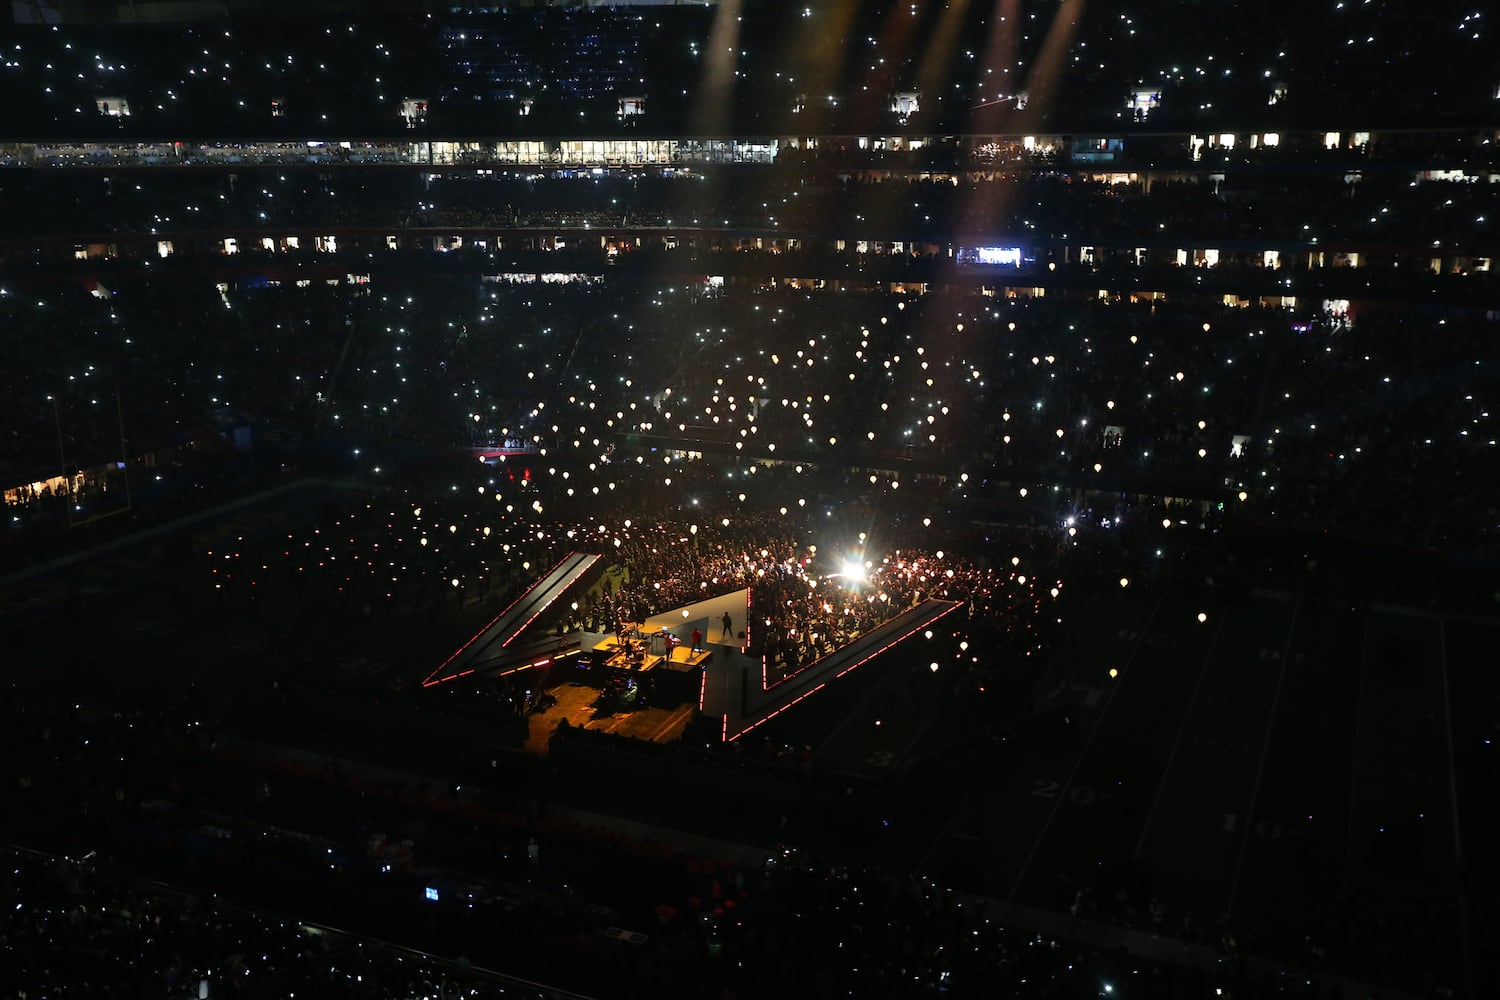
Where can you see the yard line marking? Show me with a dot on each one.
(1260, 768)
(971, 788)
(1359, 708)
(879, 688)
(957, 810)
(932, 717)
(1062, 794)
(1161, 785)
(1458, 853)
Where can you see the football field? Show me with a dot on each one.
(1284, 763)
(1305, 771)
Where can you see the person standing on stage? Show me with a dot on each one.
(697, 640)
(728, 628)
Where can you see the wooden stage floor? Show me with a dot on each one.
(575, 702)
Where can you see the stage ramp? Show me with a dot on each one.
(489, 646)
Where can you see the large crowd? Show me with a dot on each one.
(842, 450)
(177, 781)
(1044, 409)
(472, 68)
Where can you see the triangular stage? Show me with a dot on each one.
(718, 680)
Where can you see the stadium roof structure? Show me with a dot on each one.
(233, 68)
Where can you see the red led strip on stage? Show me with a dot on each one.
(862, 660)
(429, 682)
(783, 708)
(902, 637)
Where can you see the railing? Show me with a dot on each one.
(1455, 148)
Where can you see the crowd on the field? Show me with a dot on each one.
(1355, 426)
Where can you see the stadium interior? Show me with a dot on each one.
(846, 498)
